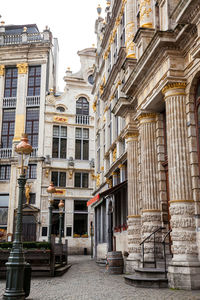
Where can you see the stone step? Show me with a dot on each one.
(150, 273)
(61, 270)
(153, 282)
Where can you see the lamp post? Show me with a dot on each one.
(61, 206)
(16, 262)
(51, 189)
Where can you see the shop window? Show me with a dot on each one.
(55, 218)
(4, 201)
(80, 218)
(44, 231)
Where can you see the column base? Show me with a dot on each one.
(132, 263)
(184, 275)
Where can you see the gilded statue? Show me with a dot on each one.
(27, 192)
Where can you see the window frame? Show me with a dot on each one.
(81, 140)
(33, 133)
(7, 134)
(60, 138)
(81, 180)
(7, 171)
(35, 86)
(11, 78)
(82, 101)
(58, 179)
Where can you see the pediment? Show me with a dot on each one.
(30, 208)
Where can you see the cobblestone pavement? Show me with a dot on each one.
(87, 281)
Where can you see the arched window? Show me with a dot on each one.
(60, 109)
(82, 106)
(197, 113)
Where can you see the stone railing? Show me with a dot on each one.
(5, 152)
(9, 102)
(80, 119)
(33, 101)
(24, 37)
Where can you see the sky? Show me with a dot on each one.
(71, 21)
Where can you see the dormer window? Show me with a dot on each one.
(91, 79)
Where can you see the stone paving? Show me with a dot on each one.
(87, 281)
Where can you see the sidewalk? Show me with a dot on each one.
(86, 281)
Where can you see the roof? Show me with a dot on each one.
(18, 29)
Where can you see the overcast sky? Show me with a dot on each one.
(71, 21)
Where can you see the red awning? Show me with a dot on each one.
(93, 200)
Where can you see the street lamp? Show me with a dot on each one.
(51, 190)
(16, 262)
(61, 206)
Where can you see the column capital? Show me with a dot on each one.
(174, 88)
(22, 68)
(2, 70)
(147, 117)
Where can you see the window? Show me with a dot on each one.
(98, 153)
(82, 144)
(81, 180)
(91, 79)
(32, 125)
(122, 37)
(80, 218)
(60, 109)
(10, 82)
(115, 48)
(8, 128)
(59, 142)
(34, 79)
(197, 114)
(109, 126)
(44, 231)
(31, 172)
(5, 172)
(59, 178)
(98, 106)
(4, 200)
(82, 106)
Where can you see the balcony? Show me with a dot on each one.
(84, 120)
(25, 38)
(9, 102)
(33, 101)
(5, 152)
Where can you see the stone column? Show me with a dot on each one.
(184, 270)
(134, 217)
(130, 28)
(146, 13)
(21, 101)
(151, 214)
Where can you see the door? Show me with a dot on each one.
(29, 228)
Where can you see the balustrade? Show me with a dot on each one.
(80, 119)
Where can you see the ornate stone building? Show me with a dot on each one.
(148, 76)
(59, 127)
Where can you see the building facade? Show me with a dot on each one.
(147, 76)
(59, 128)
(69, 152)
